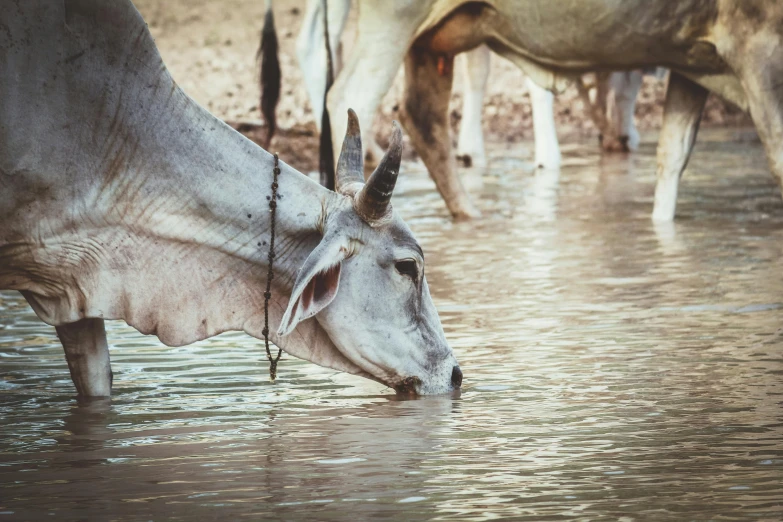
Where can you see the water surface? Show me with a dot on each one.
(612, 368)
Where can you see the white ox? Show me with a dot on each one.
(121, 198)
(615, 122)
(731, 47)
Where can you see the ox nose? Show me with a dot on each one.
(456, 377)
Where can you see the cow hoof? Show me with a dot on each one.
(466, 214)
(472, 159)
(465, 159)
(619, 144)
(548, 163)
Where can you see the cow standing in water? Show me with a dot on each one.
(617, 132)
(731, 47)
(121, 198)
(612, 112)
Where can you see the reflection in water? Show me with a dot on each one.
(612, 367)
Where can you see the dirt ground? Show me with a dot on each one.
(210, 49)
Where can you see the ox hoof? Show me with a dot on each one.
(548, 164)
(469, 159)
(465, 160)
(544, 162)
(466, 214)
(613, 143)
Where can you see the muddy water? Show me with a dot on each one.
(611, 368)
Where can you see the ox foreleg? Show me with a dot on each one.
(311, 48)
(87, 354)
(470, 145)
(597, 110)
(428, 79)
(603, 86)
(625, 87)
(681, 117)
(384, 31)
(762, 77)
(545, 135)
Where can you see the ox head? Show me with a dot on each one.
(365, 285)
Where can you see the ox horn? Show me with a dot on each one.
(372, 202)
(350, 165)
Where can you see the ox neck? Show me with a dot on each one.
(227, 198)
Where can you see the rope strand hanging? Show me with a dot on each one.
(270, 275)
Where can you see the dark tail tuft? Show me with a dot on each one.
(326, 153)
(269, 78)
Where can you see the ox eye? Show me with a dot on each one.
(408, 267)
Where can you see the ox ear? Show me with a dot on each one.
(316, 285)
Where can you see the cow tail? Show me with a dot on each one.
(269, 77)
(326, 153)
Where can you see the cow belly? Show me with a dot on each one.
(611, 34)
(581, 36)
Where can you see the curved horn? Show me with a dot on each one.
(372, 202)
(350, 166)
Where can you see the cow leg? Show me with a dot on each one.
(603, 87)
(544, 132)
(597, 111)
(87, 354)
(385, 30)
(625, 86)
(311, 51)
(428, 78)
(681, 117)
(311, 48)
(762, 78)
(470, 145)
